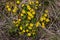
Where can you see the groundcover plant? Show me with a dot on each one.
(30, 19)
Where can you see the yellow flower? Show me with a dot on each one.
(22, 5)
(37, 24)
(27, 30)
(36, 7)
(37, 2)
(22, 14)
(30, 27)
(14, 22)
(31, 24)
(7, 6)
(18, 2)
(33, 33)
(21, 28)
(19, 19)
(44, 18)
(27, 24)
(29, 14)
(29, 34)
(43, 25)
(32, 2)
(45, 15)
(23, 11)
(9, 9)
(29, 18)
(47, 20)
(23, 31)
(28, 7)
(33, 12)
(14, 10)
(17, 25)
(46, 11)
(17, 22)
(41, 19)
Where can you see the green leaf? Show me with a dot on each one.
(46, 3)
(33, 20)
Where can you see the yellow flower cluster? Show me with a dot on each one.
(27, 22)
(44, 19)
(34, 2)
(37, 4)
(28, 27)
(31, 2)
(9, 6)
(15, 9)
(37, 24)
(18, 2)
(17, 22)
(28, 30)
(30, 13)
(23, 12)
